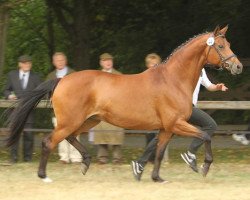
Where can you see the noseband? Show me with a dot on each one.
(224, 63)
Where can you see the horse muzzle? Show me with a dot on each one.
(233, 67)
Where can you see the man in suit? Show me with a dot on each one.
(19, 82)
(66, 151)
(103, 137)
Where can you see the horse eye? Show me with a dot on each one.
(220, 46)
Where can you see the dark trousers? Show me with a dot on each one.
(198, 118)
(149, 137)
(248, 135)
(103, 154)
(28, 143)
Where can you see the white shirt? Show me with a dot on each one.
(109, 70)
(60, 73)
(24, 75)
(203, 80)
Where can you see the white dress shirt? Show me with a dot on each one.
(109, 70)
(203, 80)
(25, 76)
(60, 73)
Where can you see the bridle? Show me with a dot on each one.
(224, 63)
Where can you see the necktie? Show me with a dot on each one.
(23, 81)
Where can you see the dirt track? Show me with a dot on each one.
(225, 182)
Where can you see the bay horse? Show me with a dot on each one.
(159, 98)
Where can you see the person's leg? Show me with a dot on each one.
(102, 154)
(63, 146)
(117, 153)
(206, 124)
(150, 136)
(248, 134)
(150, 149)
(63, 151)
(28, 143)
(138, 165)
(242, 138)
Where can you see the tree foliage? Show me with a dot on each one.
(127, 29)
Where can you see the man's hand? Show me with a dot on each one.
(12, 97)
(221, 87)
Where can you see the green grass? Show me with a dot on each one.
(226, 155)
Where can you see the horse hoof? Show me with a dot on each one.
(159, 180)
(164, 182)
(47, 180)
(204, 169)
(84, 168)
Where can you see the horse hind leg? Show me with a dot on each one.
(44, 159)
(48, 144)
(185, 129)
(86, 158)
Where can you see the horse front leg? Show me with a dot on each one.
(163, 139)
(208, 154)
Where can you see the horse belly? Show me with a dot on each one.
(133, 119)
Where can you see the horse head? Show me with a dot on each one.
(219, 52)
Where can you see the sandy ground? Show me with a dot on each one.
(225, 182)
(229, 177)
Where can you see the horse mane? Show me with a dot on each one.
(179, 47)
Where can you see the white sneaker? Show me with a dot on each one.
(241, 138)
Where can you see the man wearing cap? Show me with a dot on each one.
(19, 82)
(105, 134)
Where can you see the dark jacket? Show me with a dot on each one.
(13, 84)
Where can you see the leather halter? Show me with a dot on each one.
(222, 58)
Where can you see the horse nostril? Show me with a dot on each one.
(239, 67)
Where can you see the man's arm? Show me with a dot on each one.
(217, 87)
(8, 90)
(210, 86)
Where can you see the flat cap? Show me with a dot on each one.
(106, 56)
(24, 58)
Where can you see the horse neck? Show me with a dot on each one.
(186, 63)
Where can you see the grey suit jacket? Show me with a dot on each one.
(13, 84)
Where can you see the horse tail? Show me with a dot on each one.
(19, 115)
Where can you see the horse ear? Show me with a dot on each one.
(216, 30)
(224, 30)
